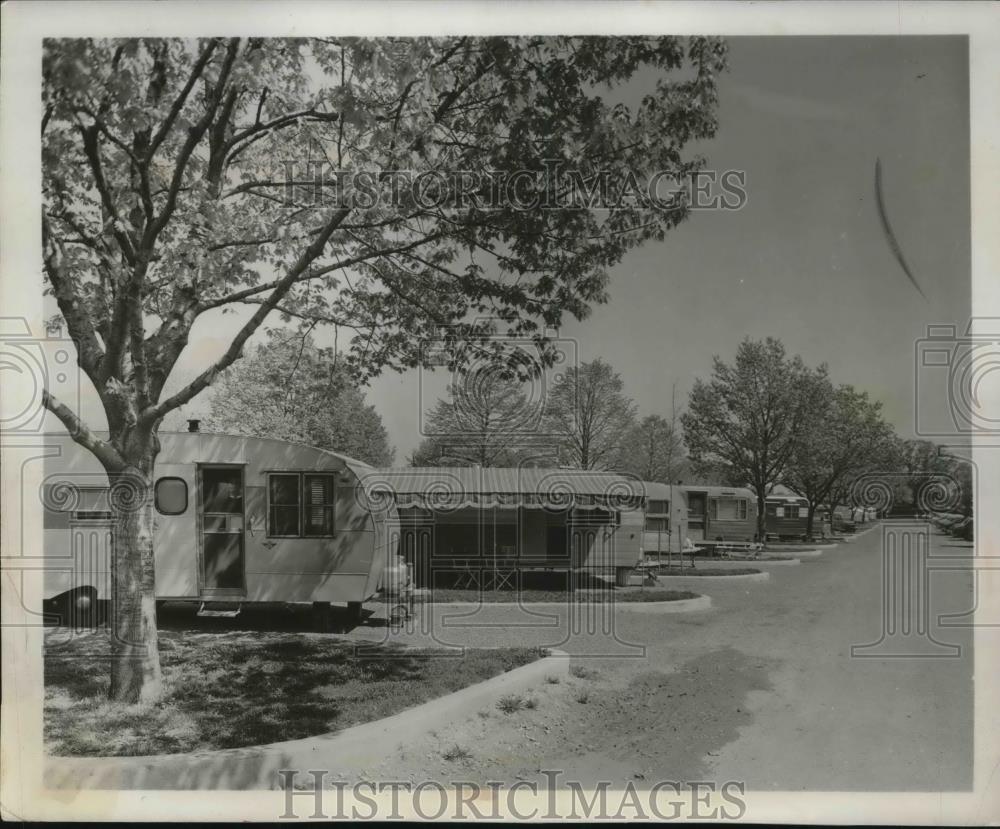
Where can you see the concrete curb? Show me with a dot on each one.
(698, 603)
(776, 562)
(679, 606)
(762, 576)
(256, 767)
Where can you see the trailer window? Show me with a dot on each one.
(728, 509)
(90, 504)
(300, 504)
(170, 496)
(284, 504)
(658, 508)
(318, 512)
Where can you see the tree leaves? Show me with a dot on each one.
(215, 163)
(292, 390)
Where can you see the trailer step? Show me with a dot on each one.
(219, 609)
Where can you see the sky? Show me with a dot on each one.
(805, 259)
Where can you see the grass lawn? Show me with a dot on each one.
(704, 571)
(227, 690)
(649, 594)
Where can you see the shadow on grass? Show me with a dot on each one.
(238, 688)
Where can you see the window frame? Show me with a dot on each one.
(301, 505)
(156, 495)
(742, 508)
(650, 510)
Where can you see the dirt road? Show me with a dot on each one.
(763, 689)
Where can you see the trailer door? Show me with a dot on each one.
(697, 503)
(221, 516)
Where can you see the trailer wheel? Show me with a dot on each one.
(398, 616)
(77, 608)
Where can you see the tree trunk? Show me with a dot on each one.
(761, 517)
(809, 519)
(834, 503)
(135, 657)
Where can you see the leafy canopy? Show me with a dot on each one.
(165, 173)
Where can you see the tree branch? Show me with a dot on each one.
(203, 380)
(103, 451)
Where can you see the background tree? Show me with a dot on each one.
(844, 435)
(590, 416)
(920, 461)
(292, 390)
(749, 415)
(485, 419)
(166, 196)
(653, 450)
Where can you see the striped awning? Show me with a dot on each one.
(451, 488)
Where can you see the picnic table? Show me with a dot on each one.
(739, 550)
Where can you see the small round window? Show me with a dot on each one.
(171, 496)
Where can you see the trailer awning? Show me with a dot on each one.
(450, 488)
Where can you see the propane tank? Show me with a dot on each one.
(396, 578)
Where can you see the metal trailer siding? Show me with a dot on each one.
(343, 567)
(709, 529)
(670, 539)
(792, 522)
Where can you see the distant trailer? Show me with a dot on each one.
(665, 522)
(717, 514)
(484, 525)
(237, 520)
(787, 516)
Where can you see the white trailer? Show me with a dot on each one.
(237, 520)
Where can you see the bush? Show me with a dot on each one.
(510, 703)
(456, 752)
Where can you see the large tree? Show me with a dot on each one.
(181, 177)
(485, 419)
(750, 414)
(653, 450)
(589, 415)
(293, 390)
(844, 436)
